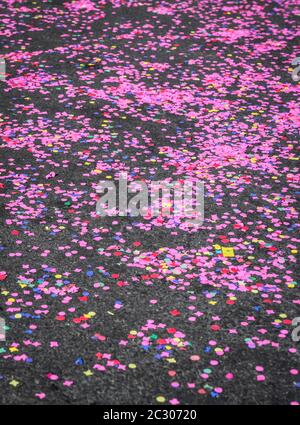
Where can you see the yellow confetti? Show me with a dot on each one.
(228, 252)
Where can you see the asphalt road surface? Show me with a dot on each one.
(146, 309)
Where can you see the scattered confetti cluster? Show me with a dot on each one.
(145, 310)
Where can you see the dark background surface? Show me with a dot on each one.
(221, 106)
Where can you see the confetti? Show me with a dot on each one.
(174, 91)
